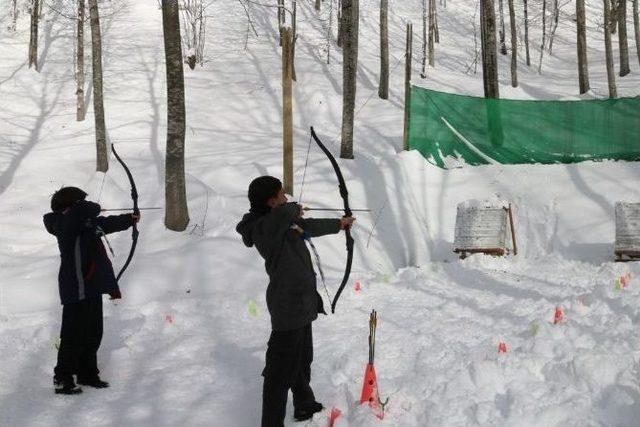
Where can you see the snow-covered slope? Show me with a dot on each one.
(186, 344)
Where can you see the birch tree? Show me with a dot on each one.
(80, 107)
(636, 27)
(526, 32)
(281, 18)
(294, 38)
(544, 34)
(554, 27)
(423, 74)
(33, 34)
(383, 89)
(583, 69)
(177, 213)
(194, 23)
(611, 77)
(622, 38)
(489, 52)
(432, 31)
(102, 158)
(14, 15)
(350, 18)
(340, 26)
(503, 45)
(514, 45)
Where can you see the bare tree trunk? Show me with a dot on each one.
(503, 36)
(102, 158)
(281, 18)
(80, 107)
(294, 38)
(287, 111)
(350, 16)
(14, 15)
(476, 51)
(613, 16)
(544, 34)
(556, 18)
(489, 53)
(33, 40)
(407, 85)
(526, 33)
(514, 45)
(611, 76)
(583, 69)
(176, 209)
(423, 74)
(622, 38)
(318, 5)
(432, 29)
(636, 27)
(340, 25)
(436, 31)
(329, 31)
(383, 89)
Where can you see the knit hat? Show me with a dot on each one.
(262, 189)
(65, 197)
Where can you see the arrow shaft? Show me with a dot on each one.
(333, 209)
(127, 209)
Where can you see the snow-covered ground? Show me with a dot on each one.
(185, 346)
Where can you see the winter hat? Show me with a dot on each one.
(262, 189)
(65, 197)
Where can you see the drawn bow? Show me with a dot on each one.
(136, 211)
(347, 213)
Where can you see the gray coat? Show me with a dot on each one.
(292, 298)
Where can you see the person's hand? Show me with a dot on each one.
(136, 218)
(346, 222)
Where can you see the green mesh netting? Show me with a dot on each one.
(481, 131)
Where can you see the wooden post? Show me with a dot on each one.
(513, 231)
(407, 85)
(287, 112)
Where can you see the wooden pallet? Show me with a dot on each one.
(626, 256)
(627, 244)
(496, 229)
(487, 251)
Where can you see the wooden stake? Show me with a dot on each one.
(287, 112)
(407, 85)
(513, 231)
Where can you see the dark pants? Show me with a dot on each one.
(80, 337)
(289, 357)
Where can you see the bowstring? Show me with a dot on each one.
(304, 173)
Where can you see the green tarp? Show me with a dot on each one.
(481, 131)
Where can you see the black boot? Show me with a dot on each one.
(306, 413)
(94, 382)
(65, 386)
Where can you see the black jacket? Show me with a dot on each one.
(292, 298)
(85, 268)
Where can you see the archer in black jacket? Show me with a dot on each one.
(85, 274)
(278, 231)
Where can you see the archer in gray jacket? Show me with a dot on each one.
(276, 228)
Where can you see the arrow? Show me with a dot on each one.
(127, 209)
(332, 209)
